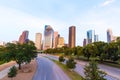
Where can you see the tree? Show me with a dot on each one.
(111, 51)
(61, 59)
(20, 52)
(70, 63)
(90, 51)
(12, 72)
(92, 72)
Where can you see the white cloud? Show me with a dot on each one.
(107, 2)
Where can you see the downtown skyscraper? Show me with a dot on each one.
(72, 36)
(48, 37)
(92, 37)
(38, 41)
(24, 37)
(110, 36)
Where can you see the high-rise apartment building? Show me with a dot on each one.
(38, 41)
(55, 39)
(60, 42)
(72, 36)
(96, 38)
(48, 37)
(90, 36)
(24, 37)
(109, 35)
(84, 42)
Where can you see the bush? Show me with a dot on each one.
(12, 72)
(71, 63)
(61, 59)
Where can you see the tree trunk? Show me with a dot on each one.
(19, 66)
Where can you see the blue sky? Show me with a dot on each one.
(32, 15)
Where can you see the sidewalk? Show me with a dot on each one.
(26, 73)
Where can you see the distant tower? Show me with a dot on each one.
(60, 42)
(90, 36)
(109, 35)
(24, 37)
(84, 42)
(55, 39)
(72, 36)
(48, 37)
(38, 41)
(96, 38)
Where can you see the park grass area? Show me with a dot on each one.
(71, 74)
(111, 64)
(2, 62)
(108, 63)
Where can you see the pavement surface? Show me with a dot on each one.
(4, 72)
(112, 73)
(48, 70)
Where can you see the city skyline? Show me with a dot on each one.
(17, 16)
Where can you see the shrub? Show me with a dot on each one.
(61, 59)
(71, 63)
(12, 72)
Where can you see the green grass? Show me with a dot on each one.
(2, 62)
(71, 74)
(111, 64)
(108, 63)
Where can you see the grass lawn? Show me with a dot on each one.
(71, 74)
(2, 62)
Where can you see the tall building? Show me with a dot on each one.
(96, 38)
(72, 36)
(24, 37)
(109, 35)
(84, 42)
(38, 41)
(55, 39)
(48, 37)
(90, 36)
(61, 42)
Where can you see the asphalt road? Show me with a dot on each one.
(48, 70)
(112, 73)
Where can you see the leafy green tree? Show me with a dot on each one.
(61, 58)
(20, 52)
(70, 63)
(90, 51)
(92, 72)
(12, 72)
(111, 51)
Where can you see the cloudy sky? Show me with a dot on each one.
(32, 15)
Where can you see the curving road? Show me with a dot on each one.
(48, 70)
(112, 73)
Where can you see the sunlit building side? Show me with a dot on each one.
(24, 37)
(38, 41)
(48, 37)
(61, 42)
(72, 36)
(55, 39)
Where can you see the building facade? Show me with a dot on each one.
(55, 39)
(90, 36)
(24, 37)
(61, 42)
(84, 42)
(96, 38)
(72, 36)
(109, 35)
(38, 41)
(48, 37)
